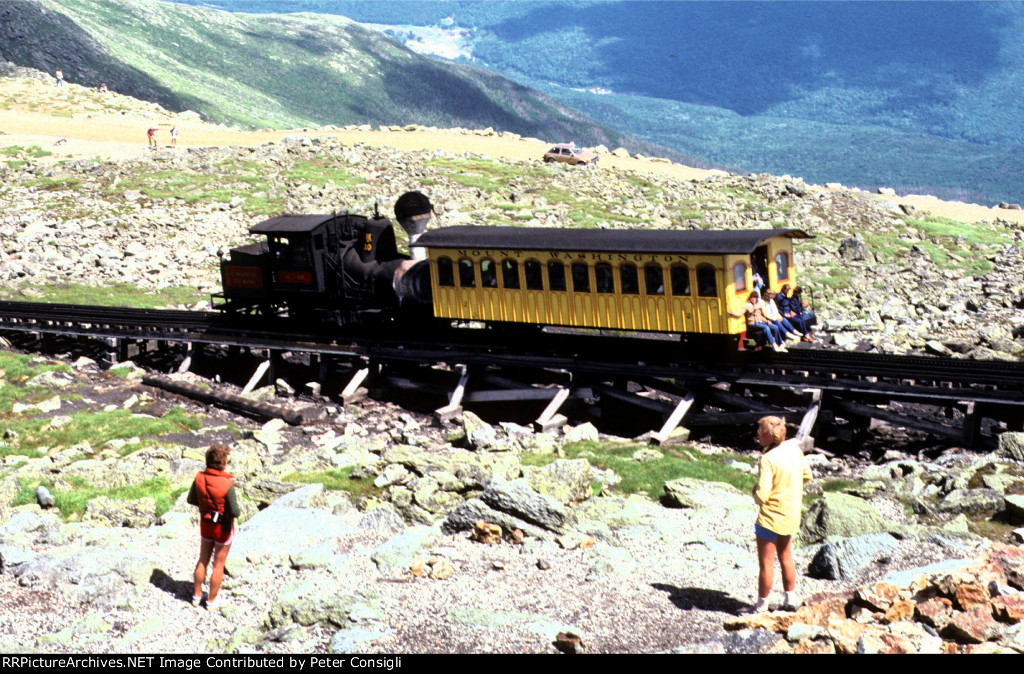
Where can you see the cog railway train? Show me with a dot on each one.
(347, 270)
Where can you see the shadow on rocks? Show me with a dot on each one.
(701, 598)
(179, 589)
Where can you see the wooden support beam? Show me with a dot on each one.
(972, 425)
(845, 407)
(731, 400)
(226, 400)
(605, 391)
(549, 419)
(187, 362)
(670, 425)
(521, 394)
(454, 406)
(256, 376)
(803, 434)
(713, 420)
(352, 393)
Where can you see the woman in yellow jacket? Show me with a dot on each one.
(778, 493)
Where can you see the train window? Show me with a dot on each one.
(531, 268)
(318, 241)
(629, 279)
(293, 253)
(580, 277)
(739, 276)
(445, 273)
(604, 277)
(488, 274)
(707, 285)
(556, 276)
(680, 280)
(510, 273)
(466, 276)
(782, 266)
(654, 279)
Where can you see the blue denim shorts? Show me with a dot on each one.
(765, 534)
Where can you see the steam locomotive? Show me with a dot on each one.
(337, 268)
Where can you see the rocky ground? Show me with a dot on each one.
(319, 570)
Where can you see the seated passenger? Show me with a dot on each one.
(774, 316)
(758, 325)
(799, 306)
(785, 302)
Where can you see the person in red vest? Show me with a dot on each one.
(214, 492)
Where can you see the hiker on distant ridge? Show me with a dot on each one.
(174, 136)
(60, 78)
(103, 87)
(154, 137)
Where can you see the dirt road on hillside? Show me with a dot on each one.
(109, 136)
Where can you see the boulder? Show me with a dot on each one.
(843, 558)
(135, 513)
(971, 502)
(854, 250)
(686, 492)
(1011, 444)
(518, 499)
(563, 479)
(842, 516)
(100, 577)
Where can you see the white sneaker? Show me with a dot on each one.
(196, 601)
(215, 605)
(781, 348)
(761, 606)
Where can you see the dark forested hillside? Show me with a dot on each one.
(751, 83)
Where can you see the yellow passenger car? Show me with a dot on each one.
(653, 280)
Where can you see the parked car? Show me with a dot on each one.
(570, 154)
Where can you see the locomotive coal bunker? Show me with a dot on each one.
(338, 268)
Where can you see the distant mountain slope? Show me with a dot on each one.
(278, 71)
(910, 95)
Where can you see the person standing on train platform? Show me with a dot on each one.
(782, 472)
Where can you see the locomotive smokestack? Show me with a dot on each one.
(413, 211)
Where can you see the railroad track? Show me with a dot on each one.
(599, 354)
(857, 382)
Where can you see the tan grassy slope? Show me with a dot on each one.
(114, 126)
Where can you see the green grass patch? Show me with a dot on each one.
(649, 477)
(112, 295)
(838, 485)
(948, 228)
(54, 184)
(95, 428)
(72, 503)
(338, 479)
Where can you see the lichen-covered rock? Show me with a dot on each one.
(134, 514)
(842, 516)
(563, 479)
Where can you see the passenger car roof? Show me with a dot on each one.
(739, 241)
